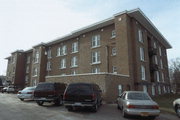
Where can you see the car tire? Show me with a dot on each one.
(40, 103)
(124, 114)
(70, 109)
(21, 99)
(177, 109)
(118, 107)
(152, 117)
(59, 101)
(95, 107)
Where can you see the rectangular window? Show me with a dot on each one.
(95, 57)
(26, 79)
(64, 50)
(27, 69)
(113, 34)
(157, 75)
(28, 59)
(162, 76)
(145, 88)
(140, 35)
(156, 59)
(35, 71)
(58, 51)
(143, 73)
(159, 90)
(161, 63)
(95, 41)
(160, 51)
(153, 90)
(114, 70)
(73, 72)
(74, 47)
(164, 87)
(63, 63)
(155, 45)
(49, 54)
(141, 54)
(74, 61)
(48, 66)
(113, 51)
(36, 59)
(96, 70)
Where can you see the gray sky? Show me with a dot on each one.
(25, 23)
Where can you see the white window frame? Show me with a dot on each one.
(142, 55)
(26, 79)
(63, 63)
(113, 34)
(145, 89)
(64, 50)
(164, 88)
(27, 69)
(159, 90)
(59, 51)
(74, 61)
(114, 69)
(160, 51)
(48, 66)
(114, 51)
(95, 41)
(73, 72)
(157, 76)
(49, 54)
(156, 59)
(36, 60)
(162, 76)
(96, 57)
(153, 90)
(35, 71)
(75, 47)
(95, 70)
(161, 63)
(120, 89)
(155, 44)
(143, 73)
(140, 35)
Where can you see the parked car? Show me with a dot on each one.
(4, 89)
(49, 92)
(137, 103)
(26, 93)
(82, 95)
(176, 105)
(10, 89)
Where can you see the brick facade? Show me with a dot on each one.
(126, 51)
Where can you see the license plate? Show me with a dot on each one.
(78, 104)
(144, 114)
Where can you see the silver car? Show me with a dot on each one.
(137, 103)
(176, 105)
(26, 93)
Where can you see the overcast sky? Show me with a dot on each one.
(25, 23)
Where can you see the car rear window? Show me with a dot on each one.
(80, 88)
(45, 87)
(138, 96)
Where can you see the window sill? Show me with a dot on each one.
(112, 37)
(74, 52)
(95, 46)
(95, 63)
(62, 68)
(74, 66)
(113, 55)
(60, 55)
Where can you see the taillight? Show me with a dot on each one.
(131, 106)
(155, 107)
(93, 96)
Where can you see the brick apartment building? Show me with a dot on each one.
(124, 52)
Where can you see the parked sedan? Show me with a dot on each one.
(176, 105)
(26, 93)
(137, 103)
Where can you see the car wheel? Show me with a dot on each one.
(59, 101)
(70, 109)
(118, 107)
(124, 113)
(21, 99)
(40, 103)
(177, 108)
(95, 107)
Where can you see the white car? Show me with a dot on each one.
(10, 89)
(26, 93)
(176, 105)
(137, 103)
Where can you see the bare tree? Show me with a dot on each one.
(174, 71)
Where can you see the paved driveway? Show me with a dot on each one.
(11, 108)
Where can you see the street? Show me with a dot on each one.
(11, 108)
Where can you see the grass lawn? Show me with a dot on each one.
(166, 102)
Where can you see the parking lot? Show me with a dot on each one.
(11, 108)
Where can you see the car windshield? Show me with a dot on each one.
(138, 96)
(45, 87)
(79, 88)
